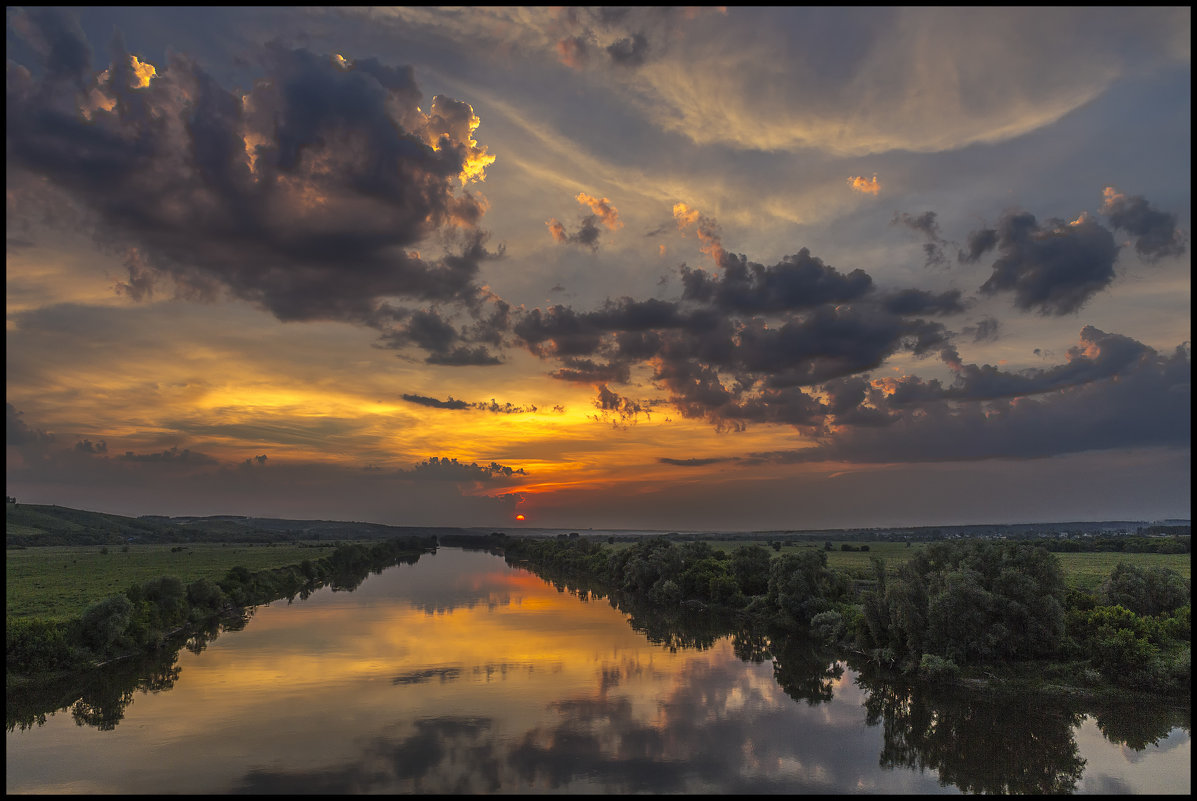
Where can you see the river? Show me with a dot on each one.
(460, 674)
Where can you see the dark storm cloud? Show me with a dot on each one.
(630, 51)
(745, 344)
(170, 456)
(611, 403)
(17, 432)
(696, 462)
(635, 316)
(1101, 355)
(558, 331)
(87, 459)
(829, 342)
(58, 39)
(847, 399)
(574, 51)
(845, 394)
(909, 302)
(424, 676)
(927, 225)
(1156, 231)
(424, 400)
(561, 331)
(587, 234)
(698, 391)
(924, 223)
(718, 360)
(588, 371)
(1055, 268)
(465, 356)
(633, 35)
(427, 329)
(445, 343)
(800, 281)
(494, 406)
(140, 285)
(986, 330)
(303, 199)
(436, 468)
(977, 245)
(934, 255)
(1113, 393)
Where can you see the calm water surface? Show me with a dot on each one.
(461, 674)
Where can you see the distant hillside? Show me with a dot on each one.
(31, 525)
(28, 525)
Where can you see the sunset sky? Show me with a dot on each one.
(690, 269)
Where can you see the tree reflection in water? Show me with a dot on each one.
(1137, 726)
(976, 742)
(100, 696)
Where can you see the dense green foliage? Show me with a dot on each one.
(1145, 592)
(786, 590)
(968, 602)
(948, 607)
(1157, 544)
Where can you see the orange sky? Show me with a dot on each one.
(649, 279)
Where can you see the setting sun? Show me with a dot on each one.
(519, 517)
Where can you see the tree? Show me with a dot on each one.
(967, 602)
(1146, 592)
(801, 586)
(750, 567)
(105, 622)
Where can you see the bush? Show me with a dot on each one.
(168, 600)
(666, 592)
(827, 626)
(935, 668)
(104, 623)
(1126, 659)
(37, 645)
(969, 601)
(1145, 592)
(205, 598)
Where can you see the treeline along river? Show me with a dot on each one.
(466, 672)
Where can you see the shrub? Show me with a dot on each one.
(935, 668)
(105, 622)
(1145, 592)
(37, 645)
(205, 598)
(827, 626)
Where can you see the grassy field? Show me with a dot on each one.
(1086, 571)
(60, 582)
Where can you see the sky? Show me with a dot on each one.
(652, 268)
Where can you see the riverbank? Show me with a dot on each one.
(141, 618)
(975, 614)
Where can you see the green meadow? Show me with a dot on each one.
(60, 582)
